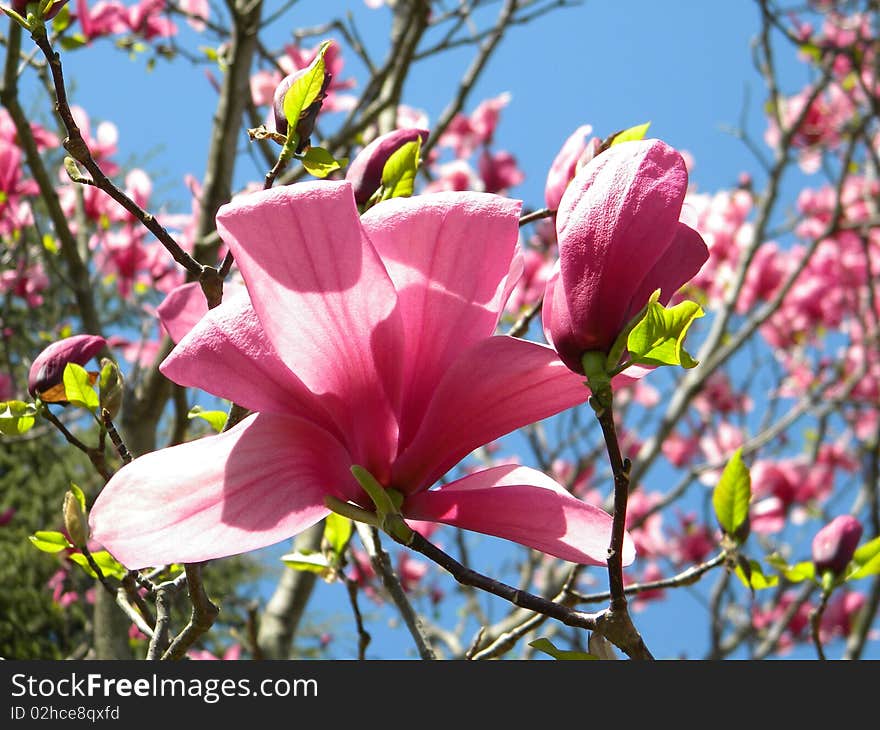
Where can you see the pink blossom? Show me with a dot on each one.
(648, 537)
(619, 240)
(692, 543)
(717, 447)
(797, 627)
(841, 615)
(679, 449)
(200, 11)
(537, 268)
(834, 544)
(27, 282)
(13, 188)
(457, 176)
(7, 515)
(410, 570)
(391, 365)
(47, 368)
(365, 171)
(574, 154)
(499, 171)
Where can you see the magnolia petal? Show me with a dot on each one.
(450, 256)
(523, 505)
(185, 305)
(499, 385)
(228, 355)
(682, 262)
(257, 484)
(326, 303)
(615, 222)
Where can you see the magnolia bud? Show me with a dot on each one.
(307, 117)
(834, 544)
(365, 171)
(75, 521)
(20, 7)
(110, 384)
(47, 369)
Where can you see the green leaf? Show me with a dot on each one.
(546, 646)
(49, 542)
(309, 562)
(303, 92)
(61, 21)
(80, 497)
(16, 417)
(793, 573)
(868, 568)
(78, 387)
(811, 50)
(72, 42)
(867, 552)
(756, 579)
(399, 172)
(731, 497)
(217, 419)
(337, 532)
(658, 338)
(110, 567)
(320, 163)
(633, 134)
(49, 243)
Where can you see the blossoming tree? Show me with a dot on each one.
(375, 351)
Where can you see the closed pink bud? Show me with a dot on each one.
(834, 544)
(365, 171)
(47, 369)
(575, 153)
(308, 116)
(20, 7)
(620, 239)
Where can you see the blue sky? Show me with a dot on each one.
(685, 65)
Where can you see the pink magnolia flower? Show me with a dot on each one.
(365, 170)
(834, 544)
(499, 171)
(47, 368)
(365, 341)
(619, 240)
(574, 154)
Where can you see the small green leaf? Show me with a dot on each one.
(867, 552)
(399, 172)
(756, 579)
(658, 338)
(337, 532)
(49, 243)
(546, 646)
(811, 50)
(868, 568)
(61, 21)
(305, 90)
(49, 542)
(109, 566)
(320, 163)
(80, 497)
(308, 562)
(633, 134)
(78, 387)
(72, 42)
(793, 573)
(732, 495)
(217, 419)
(16, 417)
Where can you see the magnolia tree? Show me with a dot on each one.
(376, 353)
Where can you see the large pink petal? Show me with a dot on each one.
(449, 256)
(185, 305)
(682, 262)
(497, 386)
(228, 355)
(615, 221)
(523, 505)
(257, 484)
(327, 304)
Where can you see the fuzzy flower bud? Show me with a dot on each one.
(834, 544)
(20, 7)
(308, 116)
(47, 369)
(75, 520)
(365, 171)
